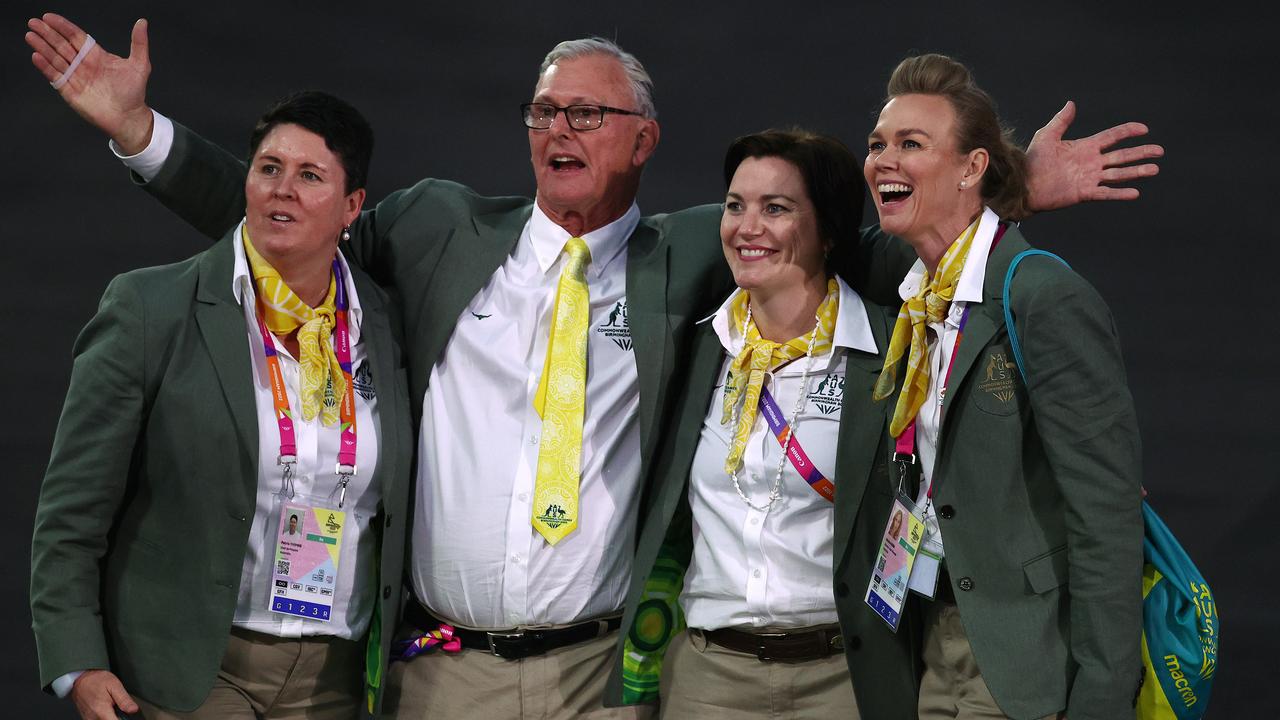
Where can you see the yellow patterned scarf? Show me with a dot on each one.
(322, 381)
(758, 356)
(930, 305)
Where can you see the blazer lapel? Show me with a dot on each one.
(863, 422)
(650, 331)
(467, 261)
(381, 353)
(222, 326)
(986, 319)
(704, 375)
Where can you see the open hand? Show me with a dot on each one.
(98, 693)
(107, 90)
(1067, 172)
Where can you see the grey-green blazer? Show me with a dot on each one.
(145, 510)
(1037, 487)
(885, 666)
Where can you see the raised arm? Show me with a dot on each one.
(199, 181)
(108, 91)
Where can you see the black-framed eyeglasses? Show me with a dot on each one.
(539, 116)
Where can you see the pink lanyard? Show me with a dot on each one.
(288, 456)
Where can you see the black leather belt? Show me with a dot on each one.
(515, 644)
(780, 646)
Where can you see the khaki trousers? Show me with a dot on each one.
(703, 680)
(567, 682)
(952, 686)
(263, 676)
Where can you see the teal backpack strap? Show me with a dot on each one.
(1008, 313)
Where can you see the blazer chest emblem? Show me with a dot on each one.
(999, 384)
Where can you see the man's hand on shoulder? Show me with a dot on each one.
(1062, 172)
(107, 90)
(98, 693)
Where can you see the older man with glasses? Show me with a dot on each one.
(531, 469)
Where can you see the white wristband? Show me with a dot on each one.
(75, 63)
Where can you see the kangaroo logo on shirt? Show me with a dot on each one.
(828, 396)
(362, 380)
(616, 327)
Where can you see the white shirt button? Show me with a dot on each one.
(522, 497)
(515, 557)
(755, 573)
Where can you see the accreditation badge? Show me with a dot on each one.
(887, 591)
(308, 546)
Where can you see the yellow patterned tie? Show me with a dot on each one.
(930, 305)
(561, 401)
(321, 378)
(758, 356)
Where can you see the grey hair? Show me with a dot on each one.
(637, 76)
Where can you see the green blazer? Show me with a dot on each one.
(435, 245)
(145, 510)
(1038, 495)
(885, 666)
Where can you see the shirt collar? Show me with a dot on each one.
(605, 243)
(853, 327)
(243, 290)
(969, 287)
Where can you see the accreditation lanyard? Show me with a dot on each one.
(288, 456)
(791, 446)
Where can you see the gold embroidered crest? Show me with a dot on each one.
(999, 383)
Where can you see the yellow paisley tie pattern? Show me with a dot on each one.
(321, 379)
(759, 356)
(929, 305)
(561, 401)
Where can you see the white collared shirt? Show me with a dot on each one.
(356, 586)
(476, 558)
(942, 343)
(770, 569)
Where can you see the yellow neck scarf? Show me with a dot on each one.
(758, 356)
(930, 305)
(322, 382)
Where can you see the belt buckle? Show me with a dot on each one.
(761, 652)
(518, 644)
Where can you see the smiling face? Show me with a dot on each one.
(587, 179)
(296, 202)
(914, 170)
(769, 229)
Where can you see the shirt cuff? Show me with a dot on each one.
(147, 163)
(62, 686)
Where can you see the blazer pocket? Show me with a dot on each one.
(1048, 571)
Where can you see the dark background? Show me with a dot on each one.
(1189, 269)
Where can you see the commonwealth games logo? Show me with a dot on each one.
(617, 328)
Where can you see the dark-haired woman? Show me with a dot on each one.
(776, 549)
(211, 403)
(1029, 476)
